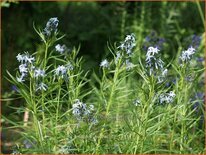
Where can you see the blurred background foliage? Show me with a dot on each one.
(93, 25)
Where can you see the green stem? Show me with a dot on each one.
(37, 127)
(45, 55)
(112, 91)
(145, 115)
(172, 134)
(108, 106)
(58, 102)
(71, 88)
(43, 109)
(184, 109)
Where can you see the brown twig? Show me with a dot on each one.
(26, 116)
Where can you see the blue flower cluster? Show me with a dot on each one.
(128, 44)
(153, 60)
(127, 47)
(81, 111)
(195, 41)
(124, 54)
(51, 27)
(186, 55)
(26, 65)
(153, 40)
(167, 97)
(61, 70)
(27, 68)
(192, 41)
(62, 49)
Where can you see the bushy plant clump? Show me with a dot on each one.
(132, 105)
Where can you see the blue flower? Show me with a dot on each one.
(104, 64)
(153, 40)
(20, 57)
(129, 65)
(51, 26)
(26, 65)
(25, 58)
(151, 52)
(80, 110)
(93, 120)
(39, 73)
(14, 88)
(28, 144)
(118, 57)
(69, 66)
(136, 102)
(60, 48)
(23, 68)
(167, 97)
(52, 23)
(41, 86)
(153, 62)
(61, 71)
(200, 59)
(195, 41)
(128, 44)
(186, 55)
(162, 76)
(21, 78)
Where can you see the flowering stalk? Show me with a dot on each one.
(122, 64)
